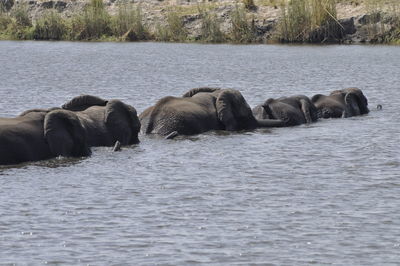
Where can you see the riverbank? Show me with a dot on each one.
(218, 21)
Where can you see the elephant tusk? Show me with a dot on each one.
(172, 135)
(117, 146)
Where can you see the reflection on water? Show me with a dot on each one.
(326, 193)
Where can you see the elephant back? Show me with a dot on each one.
(194, 91)
(83, 102)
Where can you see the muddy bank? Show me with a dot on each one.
(354, 21)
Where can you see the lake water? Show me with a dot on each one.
(325, 193)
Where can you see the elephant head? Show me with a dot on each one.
(356, 98)
(119, 120)
(341, 103)
(122, 121)
(65, 134)
(233, 111)
(294, 110)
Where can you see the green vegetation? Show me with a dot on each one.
(309, 21)
(243, 30)
(50, 26)
(211, 27)
(249, 4)
(379, 16)
(300, 21)
(93, 24)
(174, 30)
(127, 24)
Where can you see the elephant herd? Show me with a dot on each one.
(88, 121)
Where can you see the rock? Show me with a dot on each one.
(348, 26)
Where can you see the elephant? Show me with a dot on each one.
(105, 122)
(341, 103)
(294, 110)
(40, 134)
(200, 110)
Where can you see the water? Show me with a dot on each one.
(326, 193)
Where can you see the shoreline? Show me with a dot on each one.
(223, 21)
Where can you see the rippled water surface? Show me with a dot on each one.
(327, 193)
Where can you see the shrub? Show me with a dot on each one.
(249, 4)
(174, 30)
(242, 31)
(20, 13)
(309, 21)
(210, 27)
(128, 24)
(51, 26)
(93, 23)
(5, 20)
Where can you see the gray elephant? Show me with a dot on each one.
(341, 103)
(105, 122)
(294, 110)
(41, 134)
(200, 110)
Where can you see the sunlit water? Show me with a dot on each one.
(327, 193)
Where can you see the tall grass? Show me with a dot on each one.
(5, 18)
(21, 15)
(16, 23)
(309, 21)
(6, 5)
(383, 25)
(93, 23)
(249, 4)
(174, 30)
(50, 26)
(243, 30)
(210, 27)
(128, 24)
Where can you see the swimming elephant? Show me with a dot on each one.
(40, 134)
(294, 110)
(105, 122)
(200, 110)
(341, 103)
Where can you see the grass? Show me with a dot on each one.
(381, 13)
(174, 30)
(249, 4)
(127, 24)
(94, 23)
(309, 21)
(210, 27)
(300, 21)
(51, 26)
(243, 29)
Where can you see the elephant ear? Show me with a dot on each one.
(122, 121)
(267, 107)
(83, 102)
(193, 92)
(362, 101)
(305, 108)
(233, 111)
(65, 134)
(352, 107)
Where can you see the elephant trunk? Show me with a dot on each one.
(270, 123)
